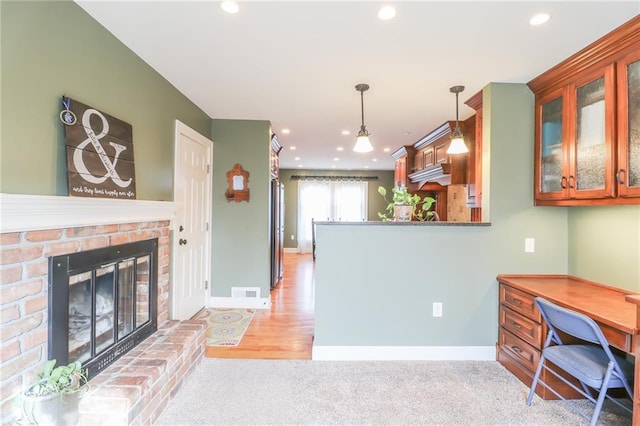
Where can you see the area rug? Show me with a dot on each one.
(226, 326)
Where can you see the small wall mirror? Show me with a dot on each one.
(238, 184)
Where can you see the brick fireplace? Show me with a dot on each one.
(136, 388)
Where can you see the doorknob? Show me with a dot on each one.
(182, 242)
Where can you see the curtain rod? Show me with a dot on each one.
(321, 177)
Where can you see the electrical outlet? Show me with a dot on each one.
(529, 245)
(437, 309)
(293, 237)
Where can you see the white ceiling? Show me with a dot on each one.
(296, 63)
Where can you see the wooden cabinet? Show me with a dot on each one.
(587, 142)
(403, 156)
(521, 336)
(522, 332)
(432, 164)
(575, 139)
(474, 163)
(628, 171)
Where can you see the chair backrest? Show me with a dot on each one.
(570, 322)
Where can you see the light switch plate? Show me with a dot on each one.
(529, 245)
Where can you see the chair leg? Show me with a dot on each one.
(603, 394)
(534, 383)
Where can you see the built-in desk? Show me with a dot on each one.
(522, 332)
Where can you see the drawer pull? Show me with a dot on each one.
(516, 325)
(516, 301)
(516, 349)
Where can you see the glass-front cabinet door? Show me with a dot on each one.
(592, 136)
(628, 172)
(551, 167)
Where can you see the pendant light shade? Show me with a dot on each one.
(457, 145)
(362, 141)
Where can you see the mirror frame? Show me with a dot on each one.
(232, 193)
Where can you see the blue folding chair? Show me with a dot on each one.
(591, 362)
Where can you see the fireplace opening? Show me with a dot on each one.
(102, 303)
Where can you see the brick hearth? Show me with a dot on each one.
(137, 387)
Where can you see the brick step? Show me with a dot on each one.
(137, 387)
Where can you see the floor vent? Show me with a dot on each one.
(245, 292)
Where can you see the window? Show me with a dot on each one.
(324, 200)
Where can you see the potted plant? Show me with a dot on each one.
(54, 398)
(405, 206)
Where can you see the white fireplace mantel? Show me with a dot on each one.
(20, 212)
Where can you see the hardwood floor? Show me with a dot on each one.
(286, 330)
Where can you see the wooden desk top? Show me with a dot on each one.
(605, 304)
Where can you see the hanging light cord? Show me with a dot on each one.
(457, 126)
(362, 129)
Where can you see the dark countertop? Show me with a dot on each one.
(412, 223)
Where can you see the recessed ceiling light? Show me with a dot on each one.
(299, 165)
(387, 149)
(292, 148)
(386, 12)
(346, 132)
(539, 19)
(374, 160)
(230, 6)
(340, 148)
(366, 167)
(297, 158)
(333, 167)
(336, 159)
(286, 131)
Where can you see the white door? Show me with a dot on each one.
(191, 229)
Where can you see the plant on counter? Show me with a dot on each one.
(54, 398)
(405, 206)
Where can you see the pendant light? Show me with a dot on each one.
(362, 141)
(457, 145)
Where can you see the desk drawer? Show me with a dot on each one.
(523, 327)
(617, 338)
(527, 355)
(520, 302)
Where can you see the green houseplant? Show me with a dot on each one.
(404, 206)
(54, 398)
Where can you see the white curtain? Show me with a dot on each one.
(328, 200)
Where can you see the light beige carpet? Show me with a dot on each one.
(226, 326)
(368, 393)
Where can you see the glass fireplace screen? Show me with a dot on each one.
(102, 303)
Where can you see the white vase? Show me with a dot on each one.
(52, 409)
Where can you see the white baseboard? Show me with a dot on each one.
(403, 353)
(239, 302)
(291, 249)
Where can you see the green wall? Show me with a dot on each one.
(375, 201)
(241, 251)
(375, 283)
(50, 49)
(604, 245)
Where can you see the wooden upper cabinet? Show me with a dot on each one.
(628, 171)
(403, 156)
(474, 163)
(432, 164)
(587, 149)
(575, 139)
